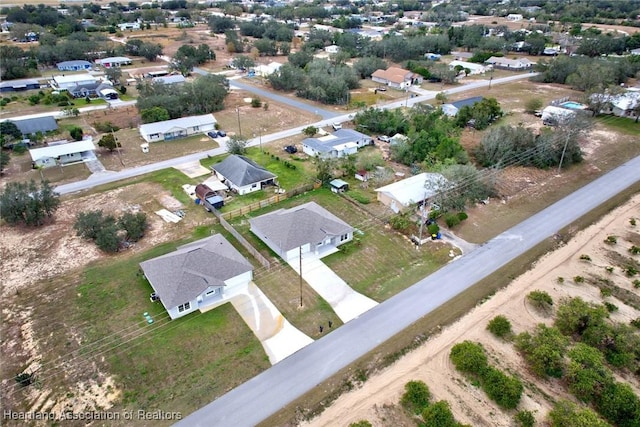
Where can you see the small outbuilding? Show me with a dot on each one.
(339, 186)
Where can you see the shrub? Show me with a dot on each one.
(585, 257)
(499, 326)
(632, 221)
(605, 292)
(469, 357)
(256, 102)
(609, 269)
(578, 279)
(105, 127)
(612, 240)
(525, 419)
(462, 216)
(635, 323)
(543, 350)
(416, 396)
(610, 307)
(439, 415)
(636, 284)
(630, 270)
(24, 379)
(560, 280)
(361, 423)
(451, 220)
(567, 414)
(433, 228)
(505, 390)
(76, 133)
(635, 250)
(540, 300)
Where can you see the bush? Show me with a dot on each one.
(568, 414)
(76, 133)
(635, 250)
(635, 323)
(469, 357)
(105, 127)
(24, 379)
(636, 284)
(611, 240)
(585, 257)
(361, 423)
(540, 300)
(503, 389)
(605, 292)
(525, 419)
(433, 228)
(543, 350)
(256, 102)
(499, 326)
(439, 415)
(610, 307)
(578, 279)
(462, 216)
(416, 397)
(451, 219)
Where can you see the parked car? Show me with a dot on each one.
(222, 133)
(381, 88)
(384, 138)
(336, 126)
(213, 134)
(291, 149)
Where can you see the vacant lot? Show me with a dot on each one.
(378, 399)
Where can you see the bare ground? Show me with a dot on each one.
(377, 400)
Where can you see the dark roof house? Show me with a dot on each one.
(37, 124)
(451, 109)
(196, 274)
(242, 174)
(19, 85)
(305, 228)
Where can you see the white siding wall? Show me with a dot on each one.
(174, 313)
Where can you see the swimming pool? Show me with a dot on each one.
(573, 105)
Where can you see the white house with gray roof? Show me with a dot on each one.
(196, 275)
(177, 128)
(243, 175)
(308, 228)
(340, 143)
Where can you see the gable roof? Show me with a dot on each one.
(183, 122)
(242, 171)
(169, 80)
(19, 84)
(62, 149)
(415, 188)
(74, 64)
(506, 62)
(295, 227)
(326, 143)
(393, 74)
(183, 275)
(36, 124)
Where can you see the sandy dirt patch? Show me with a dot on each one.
(30, 255)
(377, 400)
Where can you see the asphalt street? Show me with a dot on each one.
(263, 395)
(108, 177)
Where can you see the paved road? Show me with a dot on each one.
(108, 177)
(268, 392)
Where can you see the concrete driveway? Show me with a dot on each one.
(278, 337)
(347, 303)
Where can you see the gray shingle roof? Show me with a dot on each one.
(182, 123)
(37, 124)
(292, 228)
(341, 136)
(182, 275)
(242, 171)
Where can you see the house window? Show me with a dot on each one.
(344, 237)
(211, 292)
(196, 128)
(254, 185)
(184, 307)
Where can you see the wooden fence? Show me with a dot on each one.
(244, 242)
(266, 202)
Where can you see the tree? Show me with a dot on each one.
(575, 316)
(469, 357)
(499, 326)
(310, 131)
(9, 132)
(107, 238)
(544, 350)
(525, 419)
(4, 160)
(368, 65)
(505, 390)
(587, 374)
(28, 203)
(567, 414)
(415, 397)
(150, 51)
(219, 24)
(76, 133)
(620, 405)
(540, 300)
(89, 223)
(237, 145)
(243, 62)
(441, 97)
(532, 105)
(113, 74)
(109, 142)
(134, 225)
(154, 114)
(439, 415)
(324, 169)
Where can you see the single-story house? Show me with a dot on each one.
(333, 49)
(635, 51)
(432, 56)
(19, 85)
(106, 91)
(267, 70)
(514, 17)
(624, 105)
(78, 65)
(129, 26)
(340, 143)
(114, 61)
(519, 64)
(37, 124)
(472, 66)
(99, 88)
(400, 195)
(62, 153)
(169, 80)
(339, 186)
(396, 77)
(196, 275)
(552, 116)
(177, 128)
(398, 138)
(66, 82)
(308, 228)
(462, 56)
(242, 174)
(451, 109)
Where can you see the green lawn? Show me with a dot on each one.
(620, 124)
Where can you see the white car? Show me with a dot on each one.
(336, 126)
(384, 138)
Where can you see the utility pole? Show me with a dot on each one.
(300, 275)
(239, 128)
(564, 150)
